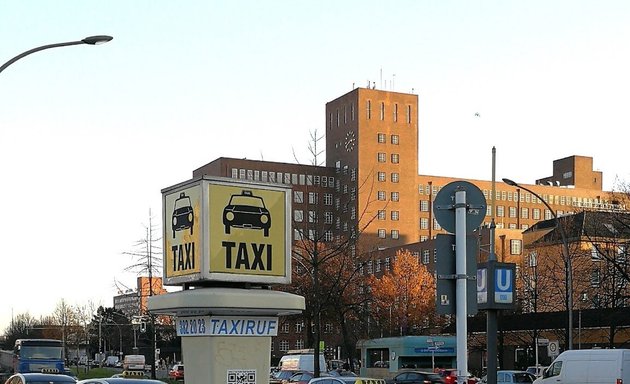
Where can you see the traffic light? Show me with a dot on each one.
(143, 327)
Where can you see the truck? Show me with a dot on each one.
(34, 355)
(111, 361)
(133, 363)
(588, 366)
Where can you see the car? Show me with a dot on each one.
(511, 376)
(417, 377)
(246, 211)
(39, 378)
(176, 372)
(183, 214)
(303, 377)
(131, 375)
(119, 380)
(346, 380)
(278, 377)
(450, 376)
(536, 370)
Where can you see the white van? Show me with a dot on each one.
(589, 366)
(302, 359)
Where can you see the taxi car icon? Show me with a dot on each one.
(246, 211)
(183, 215)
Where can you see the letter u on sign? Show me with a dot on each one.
(503, 286)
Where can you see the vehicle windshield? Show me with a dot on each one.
(40, 352)
(182, 202)
(283, 374)
(522, 378)
(247, 200)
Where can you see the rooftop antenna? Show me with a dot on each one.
(381, 78)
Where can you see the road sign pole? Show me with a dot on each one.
(460, 293)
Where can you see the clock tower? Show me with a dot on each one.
(372, 141)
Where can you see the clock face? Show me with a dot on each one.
(350, 141)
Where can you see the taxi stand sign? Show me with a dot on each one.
(221, 229)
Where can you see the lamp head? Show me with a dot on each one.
(96, 40)
(510, 182)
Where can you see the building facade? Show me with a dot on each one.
(370, 189)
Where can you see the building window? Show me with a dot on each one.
(395, 112)
(368, 109)
(382, 111)
(515, 247)
(263, 175)
(381, 214)
(424, 223)
(394, 196)
(426, 256)
(500, 211)
(298, 215)
(381, 195)
(299, 327)
(285, 327)
(381, 233)
(381, 138)
(381, 176)
(595, 255)
(395, 139)
(328, 236)
(381, 157)
(312, 216)
(394, 215)
(524, 213)
(328, 217)
(328, 328)
(299, 344)
(298, 235)
(235, 173)
(409, 114)
(241, 173)
(395, 177)
(536, 213)
(595, 278)
(284, 345)
(424, 206)
(328, 199)
(298, 197)
(352, 111)
(370, 269)
(395, 158)
(395, 234)
(512, 212)
(312, 198)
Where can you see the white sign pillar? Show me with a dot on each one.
(460, 292)
(226, 332)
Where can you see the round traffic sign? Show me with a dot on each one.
(444, 205)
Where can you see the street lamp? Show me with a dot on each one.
(91, 40)
(567, 262)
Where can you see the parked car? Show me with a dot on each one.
(511, 376)
(536, 370)
(346, 380)
(176, 372)
(450, 376)
(303, 377)
(417, 377)
(278, 377)
(38, 378)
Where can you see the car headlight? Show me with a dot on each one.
(174, 220)
(190, 217)
(229, 215)
(264, 219)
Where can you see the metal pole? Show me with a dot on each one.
(461, 312)
(491, 314)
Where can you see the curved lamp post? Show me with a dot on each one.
(567, 262)
(91, 40)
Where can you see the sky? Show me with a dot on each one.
(92, 134)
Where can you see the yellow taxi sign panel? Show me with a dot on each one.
(251, 237)
(181, 232)
(221, 229)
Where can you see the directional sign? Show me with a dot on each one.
(444, 206)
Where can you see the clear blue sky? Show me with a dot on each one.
(90, 135)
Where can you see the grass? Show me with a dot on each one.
(84, 373)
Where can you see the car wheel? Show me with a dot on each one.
(266, 232)
(227, 229)
(191, 230)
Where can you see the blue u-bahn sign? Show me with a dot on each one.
(496, 285)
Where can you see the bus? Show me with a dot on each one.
(38, 355)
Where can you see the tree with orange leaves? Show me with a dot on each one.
(404, 298)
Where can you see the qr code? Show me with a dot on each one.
(241, 376)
